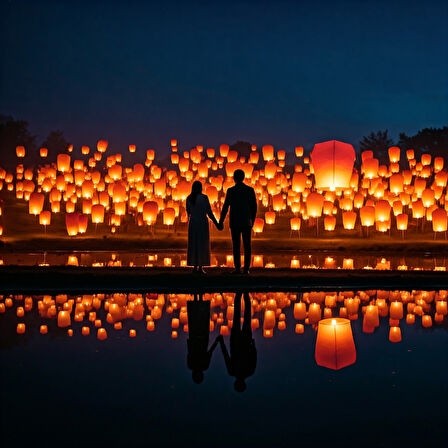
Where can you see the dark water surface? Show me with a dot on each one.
(78, 391)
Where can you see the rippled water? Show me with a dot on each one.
(135, 391)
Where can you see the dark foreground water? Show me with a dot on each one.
(58, 390)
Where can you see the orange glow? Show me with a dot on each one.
(335, 347)
(333, 164)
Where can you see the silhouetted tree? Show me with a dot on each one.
(55, 143)
(427, 140)
(378, 142)
(243, 148)
(14, 133)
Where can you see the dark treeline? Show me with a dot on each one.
(16, 132)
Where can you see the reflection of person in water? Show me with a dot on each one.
(199, 356)
(242, 360)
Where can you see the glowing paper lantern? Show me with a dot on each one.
(349, 220)
(36, 203)
(101, 146)
(268, 153)
(395, 334)
(63, 162)
(335, 347)
(314, 204)
(394, 154)
(258, 225)
(439, 220)
(20, 151)
(333, 164)
(45, 218)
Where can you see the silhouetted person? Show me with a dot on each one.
(199, 210)
(242, 361)
(199, 356)
(243, 209)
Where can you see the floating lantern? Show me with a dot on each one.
(258, 225)
(314, 204)
(102, 334)
(394, 334)
(439, 220)
(333, 164)
(64, 319)
(349, 220)
(394, 154)
(329, 223)
(335, 347)
(101, 146)
(45, 218)
(63, 162)
(36, 203)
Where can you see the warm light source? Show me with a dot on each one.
(335, 347)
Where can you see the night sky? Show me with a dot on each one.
(286, 73)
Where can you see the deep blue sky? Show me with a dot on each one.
(279, 72)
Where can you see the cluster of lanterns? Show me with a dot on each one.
(330, 313)
(320, 191)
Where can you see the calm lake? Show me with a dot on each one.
(62, 390)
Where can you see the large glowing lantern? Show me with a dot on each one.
(314, 204)
(63, 162)
(333, 164)
(439, 220)
(268, 153)
(20, 151)
(335, 347)
(101, 146)
(97, 213)
(36, 203)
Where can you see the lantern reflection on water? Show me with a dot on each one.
(335, 347)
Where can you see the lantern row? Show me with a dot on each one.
(268, 310)
(398, 196)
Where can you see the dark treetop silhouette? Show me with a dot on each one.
(242, 202)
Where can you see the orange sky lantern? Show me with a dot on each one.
(258, 225)
(335, 347)
(298, 151)
(45, 218)
(439, 220)
(367, 215)
(150, 211)
(63, 162)
(71, 223)
(169, 215)
(20, 151)
(268, 153)
(43, 152)
(314, 204)
(329, 223)
(333, 164)
(132, 148)
(394, 154)
(349, 220)
(36, 203)
(101, 146)
(426, 159)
